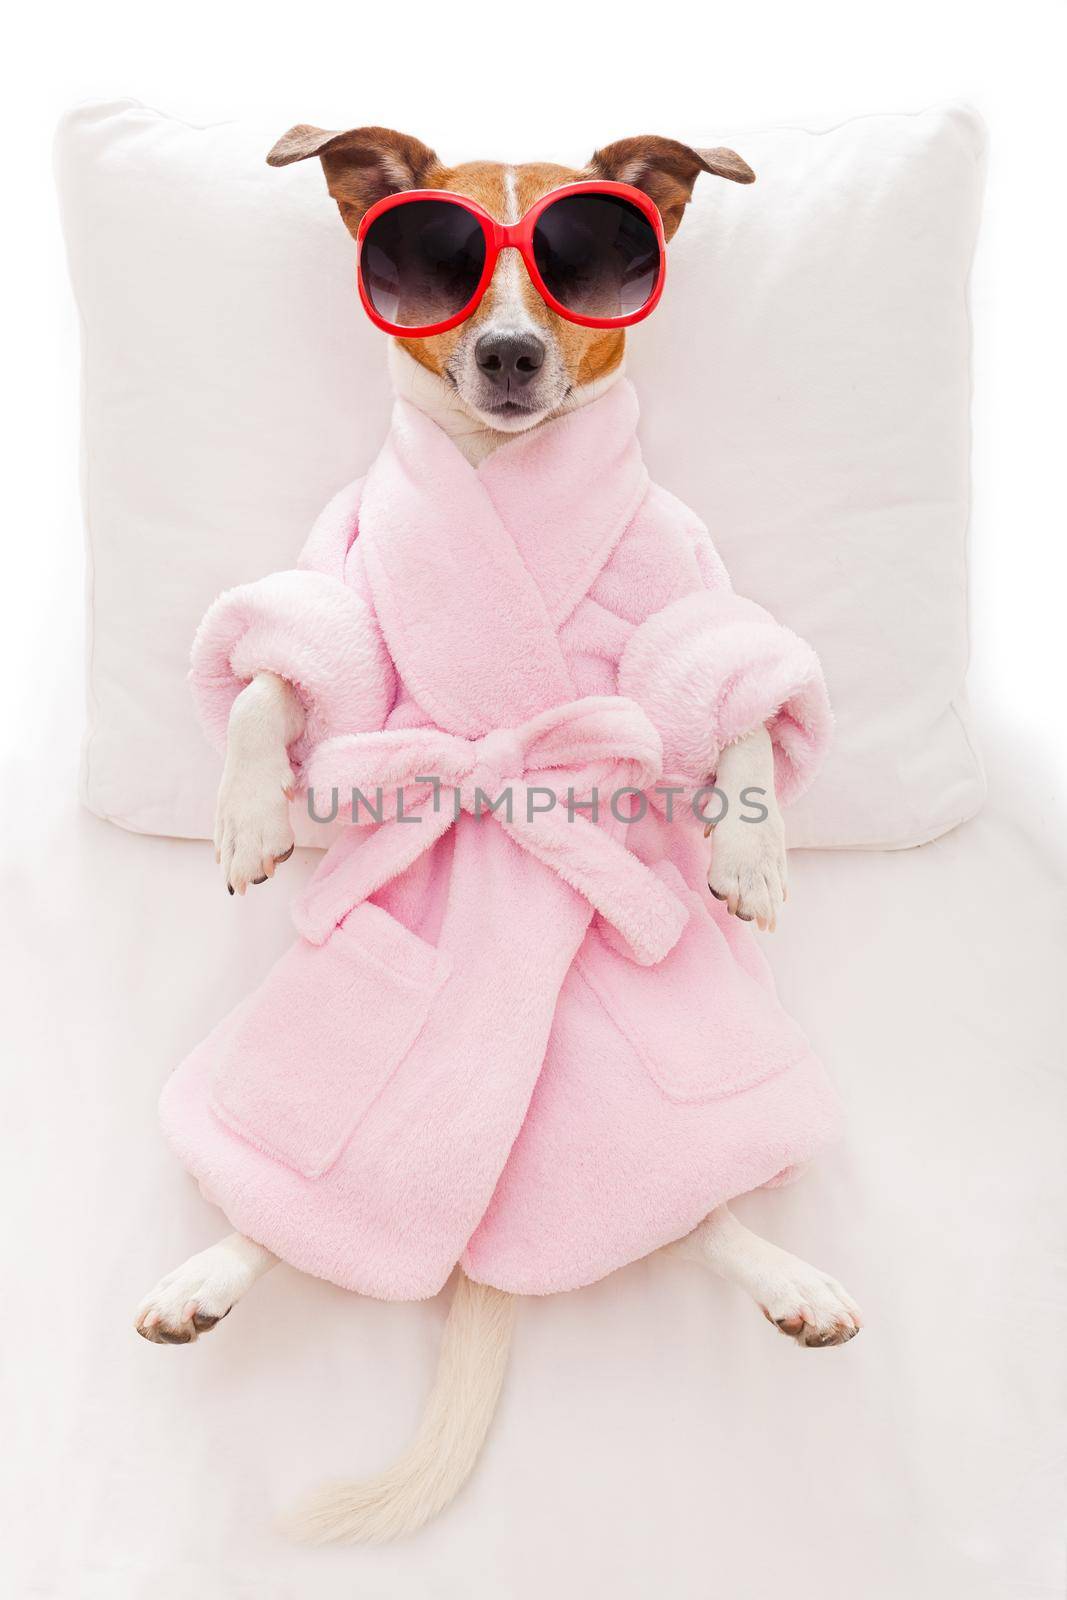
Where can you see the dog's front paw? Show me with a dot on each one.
(748, 866)
(253, 832)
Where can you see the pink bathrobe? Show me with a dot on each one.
(523, 1039)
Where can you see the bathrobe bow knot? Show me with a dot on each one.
(499, 759)
(553, 784)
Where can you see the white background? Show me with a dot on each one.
(936, 1431)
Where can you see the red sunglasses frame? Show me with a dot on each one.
(512, 236)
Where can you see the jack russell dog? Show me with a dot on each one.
(507, 292)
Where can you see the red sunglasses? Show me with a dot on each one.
(594, 252)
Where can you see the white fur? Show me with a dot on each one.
(511, 195)
(199, 1293)
(252, 827)
(804, 1303)
(748, 860)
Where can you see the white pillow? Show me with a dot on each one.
(805, 386)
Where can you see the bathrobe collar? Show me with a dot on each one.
(473, 571)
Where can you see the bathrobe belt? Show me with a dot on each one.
(539, 781)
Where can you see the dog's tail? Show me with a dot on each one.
(441, 1457)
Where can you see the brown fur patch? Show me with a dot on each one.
(361, 165)
(666, 176)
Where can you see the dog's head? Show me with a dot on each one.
(514, 361)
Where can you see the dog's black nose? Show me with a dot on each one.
(509, 358)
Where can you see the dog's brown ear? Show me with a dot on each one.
(666, 171)
(362, 165)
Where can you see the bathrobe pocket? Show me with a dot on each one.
(306, 1054)
(703, 1024)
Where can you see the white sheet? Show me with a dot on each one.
(655, 1436)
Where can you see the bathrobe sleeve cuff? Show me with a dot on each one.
(710, 669)
(308, 628)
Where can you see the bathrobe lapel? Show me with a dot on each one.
(472, 572)
(567, 492)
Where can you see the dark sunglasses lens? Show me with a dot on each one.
(421, 262)
(598, 254)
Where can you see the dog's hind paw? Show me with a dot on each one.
(812, 1308)
(190, 1300)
